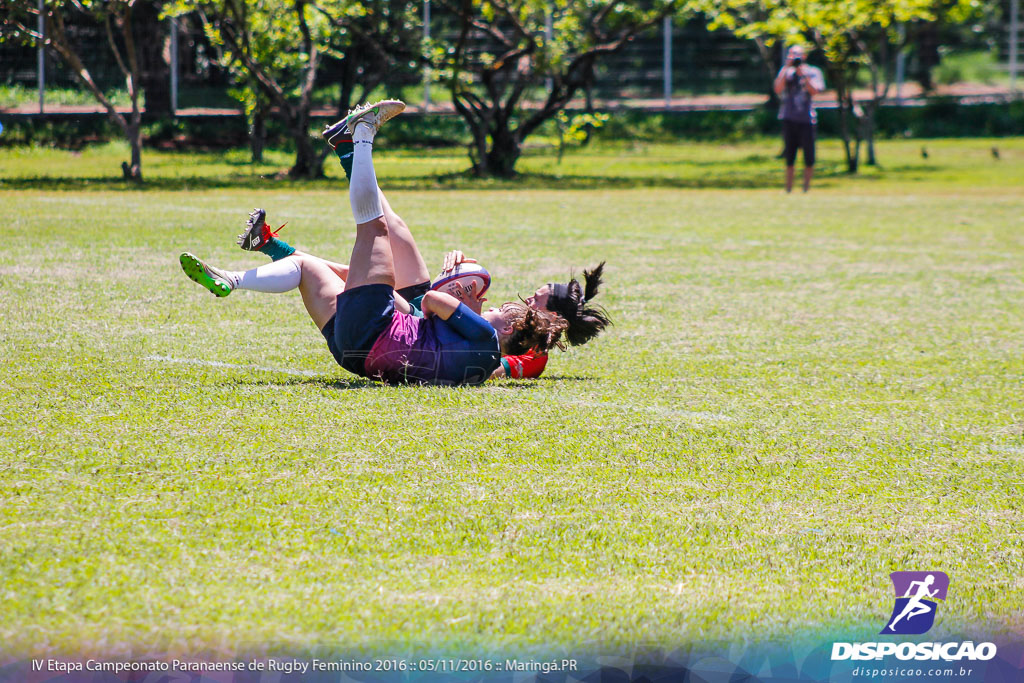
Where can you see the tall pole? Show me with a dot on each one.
(174, 65)
(549, 31)
(901, 64)
(426, 69)
(41, 57)
(1014, 43)
(667, 61)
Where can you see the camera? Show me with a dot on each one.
(797, 61)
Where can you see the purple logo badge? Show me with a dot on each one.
(917, 596)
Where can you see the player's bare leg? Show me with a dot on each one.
(340, 269)
(319, 287)
(316, 281)
(372, 260)
(316, 290)
(410, 268)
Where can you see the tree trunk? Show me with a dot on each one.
(853, 160)
(258, 134)
(588, 130)
(308, 162)
(844, 125)
(478, 148)
(133, 171)
(504, 153)
(771, 71)
(349, 77)
(927, 43)
(848, 108)
(868, 133)
(155, 77)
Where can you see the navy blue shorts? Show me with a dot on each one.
(414, 295)
(363, 314)
(414, 291)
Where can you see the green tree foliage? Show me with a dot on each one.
(853, 35)
(376, 42)
(507, 74)
(748, 19)
(20, 24)
(273, 48)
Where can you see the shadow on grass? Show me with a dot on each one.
(737, 179)
(114, 184)
(901, 173)
(362, 383)
(563, 378)
(530, 383)
(325, 382)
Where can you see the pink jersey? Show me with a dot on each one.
(460, 350)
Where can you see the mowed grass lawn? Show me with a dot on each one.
(800, 395)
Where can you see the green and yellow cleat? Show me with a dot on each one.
(214, 279)
(372, 114)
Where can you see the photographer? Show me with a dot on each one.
(796, 85)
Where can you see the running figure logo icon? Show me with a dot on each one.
(916, 596)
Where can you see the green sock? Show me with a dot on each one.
(344, 149)
(277, 249)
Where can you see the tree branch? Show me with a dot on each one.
(314, 56)
(265, 81)
(460, 46)
(57, 40)
(133, 61)
(492, 31)
(599, 17)
(363, 37)
(113, 46)
(521, 82)
(517, 26)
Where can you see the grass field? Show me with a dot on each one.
(800, 395)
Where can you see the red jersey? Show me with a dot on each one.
(526, 366)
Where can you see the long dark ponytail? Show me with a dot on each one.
(573, 302)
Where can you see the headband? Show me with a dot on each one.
(560, 301)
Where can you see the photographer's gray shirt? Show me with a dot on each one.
(796, 101)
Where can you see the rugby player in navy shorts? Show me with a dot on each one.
(366, 324)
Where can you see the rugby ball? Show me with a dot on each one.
(470, 277)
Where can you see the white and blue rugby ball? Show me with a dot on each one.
(471, 277)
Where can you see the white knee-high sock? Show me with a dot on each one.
(362, 189)
(273, 278)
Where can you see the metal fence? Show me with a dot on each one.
(676, 59)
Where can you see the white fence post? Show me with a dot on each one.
(1014, 43)
(426, 70)
(549, 32)
(667, 60)
(174, 65)
(41, 57)
(901, 64)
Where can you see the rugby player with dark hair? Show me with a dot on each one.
(365, 321)
(573, 302)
